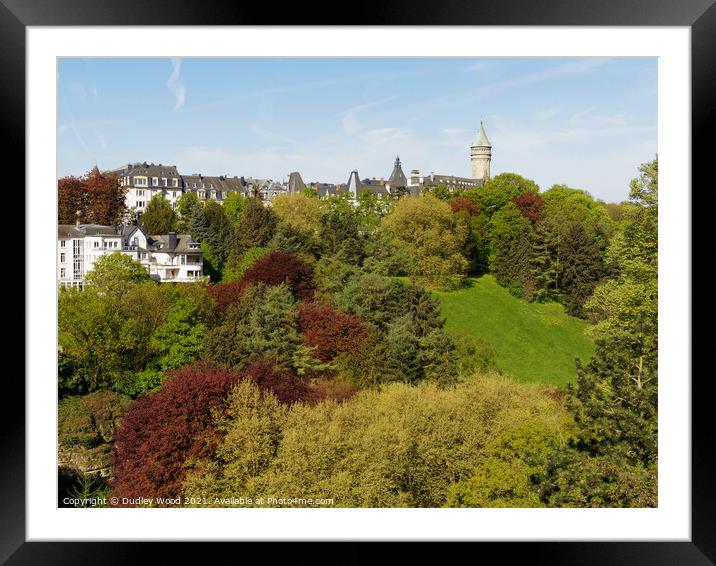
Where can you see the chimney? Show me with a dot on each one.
(172, 240)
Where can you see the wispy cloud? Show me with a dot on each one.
(268, 135)
(477, 67)
(175, 84)
(544, 115)
(77, 90)
(589, 117)
(351, 123)
(101, 138)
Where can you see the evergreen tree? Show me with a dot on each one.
(257, 227)
(581, 268)
(262, 322)
(512, 264)
(159, 217)
(611, 460)
(546, 260)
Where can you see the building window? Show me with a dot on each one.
(164, 183)
(62, 243)
(96, 244)
(62, 258)
(155, 182)
(175, 182)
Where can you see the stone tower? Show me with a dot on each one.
(480, 155)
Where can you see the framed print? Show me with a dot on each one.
(403, 280)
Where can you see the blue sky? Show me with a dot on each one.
(585, 122)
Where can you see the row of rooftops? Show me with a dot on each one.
(268, 187)
(171, 242)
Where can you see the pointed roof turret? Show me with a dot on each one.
(295, 183)
(354, 185)
(397, 177)
(481, 139)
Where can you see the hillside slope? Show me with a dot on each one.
(533, 342)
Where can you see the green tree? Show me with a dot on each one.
(187, 205)
(566, 206)
(580, 269)
(263, 322)
(611, 460)
(432, 237)
(511, 248)
(210, 226)
(159, 216)
(256, 229)
(234, 205)
(397, 446)
(339, 227)
(498, 191)
(105, 337)
(113, 273)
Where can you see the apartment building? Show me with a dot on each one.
(170, 258)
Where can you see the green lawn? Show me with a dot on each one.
(533, 342)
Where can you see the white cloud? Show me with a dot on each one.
(175, 85)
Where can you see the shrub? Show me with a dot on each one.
(90, 420)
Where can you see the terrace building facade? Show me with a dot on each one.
(170, 258)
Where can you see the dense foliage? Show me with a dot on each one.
(401, 446)
(96, 198)
(612, 458)
(317, 361)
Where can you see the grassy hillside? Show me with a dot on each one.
(533, 342)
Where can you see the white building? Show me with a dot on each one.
(170, 258)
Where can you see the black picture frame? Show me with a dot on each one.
(699, 15)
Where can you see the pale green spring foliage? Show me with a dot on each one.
(400, 446)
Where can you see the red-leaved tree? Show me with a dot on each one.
(330, 331)
(530, 205)
(283, 383)
(225, 294)
(461, 203)
(163, 431)
(71, 199)
(98, 197)
(281, 266)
